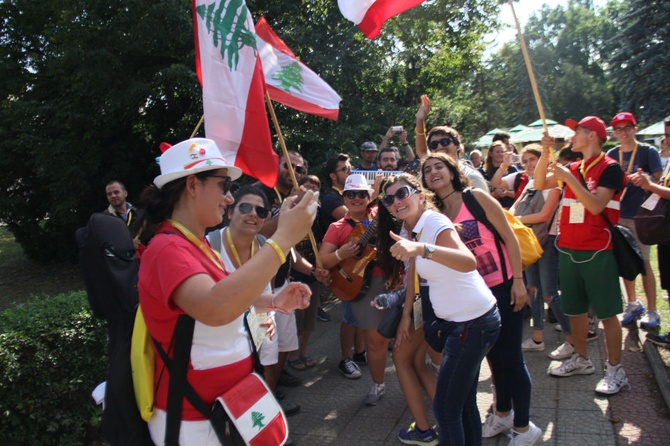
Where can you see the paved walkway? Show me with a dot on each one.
(566, 409)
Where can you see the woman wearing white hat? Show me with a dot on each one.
(180, 273)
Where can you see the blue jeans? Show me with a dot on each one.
(455, 404)
(543, 275)
(508, 366)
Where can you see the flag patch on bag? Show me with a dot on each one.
(255, 412)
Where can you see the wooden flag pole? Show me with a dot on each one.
(531, 75)
(197, 127)
(282, 143)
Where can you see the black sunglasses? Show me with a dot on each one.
(246, 208)
(351, 194)
(297, 167)
(225, 186)
(400, 194)
(444, 141)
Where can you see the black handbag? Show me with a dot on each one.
(626, 251)
(653, 226)
(388, 327)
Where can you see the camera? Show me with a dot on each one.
(397, 128)
(515, 158)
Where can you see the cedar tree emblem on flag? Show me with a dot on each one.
(233, 88)
(291, 82)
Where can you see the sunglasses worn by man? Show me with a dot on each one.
(246, 208)
(296, 167)
(400, 195)
(434, 144)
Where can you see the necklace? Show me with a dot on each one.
(448, 195)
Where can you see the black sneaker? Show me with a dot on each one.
(288, 380)
(349, 369)
(360, 358)
(322, 315)
(659, 339)
(289, 408)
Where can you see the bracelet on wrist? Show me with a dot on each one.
(338, 255)
(278, 250)
(419, 133)
(517, 278)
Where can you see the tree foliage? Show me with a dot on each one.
(90, 89)
(640, 60)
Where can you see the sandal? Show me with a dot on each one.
(298, 364)
(309, 362)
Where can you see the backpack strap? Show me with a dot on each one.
(470, 202)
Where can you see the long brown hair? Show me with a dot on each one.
(459, 181)
(394, 269)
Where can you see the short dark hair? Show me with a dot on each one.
(667, 122)
(109, 183)
(501, 136)
(444, 130)
(331, 164)
(388, 149)
(290, 152)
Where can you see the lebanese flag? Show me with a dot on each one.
(370, 15)
(255, 412)
(233, 88)
(290, 81)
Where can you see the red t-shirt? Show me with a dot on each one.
(220, 356)
(338, 234)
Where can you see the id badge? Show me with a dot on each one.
(576, 212)
(418, 313)
(651, 202)
(257, 332)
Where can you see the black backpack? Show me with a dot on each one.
(109, 267)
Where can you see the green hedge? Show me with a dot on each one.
(53, 353)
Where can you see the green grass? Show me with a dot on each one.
(10, 251)
(661, 304)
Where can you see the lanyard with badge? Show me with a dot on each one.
(576, 208)
(254, 319)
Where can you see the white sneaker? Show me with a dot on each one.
(527, 438)
(651, 319)
(531, 346)
(558, 327)
(564, 351)
(615, 378)
(576, 365)
(495, 425)
(375, 394)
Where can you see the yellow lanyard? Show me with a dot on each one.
(631, 161)
(234, 250)
(596, 161)
(209, 252)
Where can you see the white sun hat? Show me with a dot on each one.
(190, 157)
(356, 181)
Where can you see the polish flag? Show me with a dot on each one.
(290, 81)
(233, 89)
(370, 15)
(256, 413)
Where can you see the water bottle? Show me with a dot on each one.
(387, 300)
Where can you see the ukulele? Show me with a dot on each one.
(348, 276)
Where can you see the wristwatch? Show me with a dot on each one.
(428, 251)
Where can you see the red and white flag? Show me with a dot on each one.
(255, 412)
(370, 15)
(290, 81)
(233, 88)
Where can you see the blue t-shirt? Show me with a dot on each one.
(648, 159)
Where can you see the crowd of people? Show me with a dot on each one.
(223, 254)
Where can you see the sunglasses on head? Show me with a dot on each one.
(351, 194)
(225, 186)
(297, 167)
(400, 195)
(246, 208)
(434, 144)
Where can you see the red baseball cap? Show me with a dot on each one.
(623, 117)
(593, 123)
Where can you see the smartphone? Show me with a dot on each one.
(515, 158)
(397, 128)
